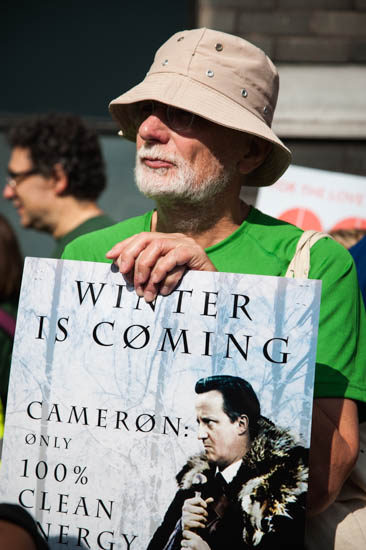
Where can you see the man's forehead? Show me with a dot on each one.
(211, 400)
(20, 159)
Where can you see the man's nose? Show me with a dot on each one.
(202, 432)
(154, 128)
(8, 192)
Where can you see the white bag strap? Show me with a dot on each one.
(299, 266)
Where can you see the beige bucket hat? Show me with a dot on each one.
(217, 76)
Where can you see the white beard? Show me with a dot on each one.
(184, 184)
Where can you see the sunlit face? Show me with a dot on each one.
(193, 165)
(32, 197)
(223, 440)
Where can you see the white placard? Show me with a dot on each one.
(100, 413)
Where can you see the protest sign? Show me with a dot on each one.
(101, 414)
(316, 199)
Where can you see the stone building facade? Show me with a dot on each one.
(319, 47)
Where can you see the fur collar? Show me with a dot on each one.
(272, 477)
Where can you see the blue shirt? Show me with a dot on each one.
(358, 251)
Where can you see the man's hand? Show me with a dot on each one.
(155, 262)
(194, 541)
(194, 513)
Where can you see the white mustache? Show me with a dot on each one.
(155, 153)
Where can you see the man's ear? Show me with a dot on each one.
(243, 424)
(256, 152)
(60, 178)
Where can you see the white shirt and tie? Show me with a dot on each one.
(230, 471)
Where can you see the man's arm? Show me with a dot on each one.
(334, 450)
(18, 529)
(15, 537)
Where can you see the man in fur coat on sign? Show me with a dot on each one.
(248, 488)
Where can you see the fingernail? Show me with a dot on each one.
(149, 296)
(139, 291)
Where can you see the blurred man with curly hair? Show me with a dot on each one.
(55, 176)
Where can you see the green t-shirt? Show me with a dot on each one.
(92, 224)
(263, 245)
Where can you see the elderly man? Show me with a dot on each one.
(56, 174)
(248, 488)
(202, 124)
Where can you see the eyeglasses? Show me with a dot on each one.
(14, 179)
(177, 119)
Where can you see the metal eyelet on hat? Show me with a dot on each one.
(165, 62)
(219, 47)
(209, 73)
(265, 110)
(244, 92)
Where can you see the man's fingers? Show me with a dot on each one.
(194, 524)
(158, 258)
(115, 251)
(189, 535)
(167, 285)
(159, 273)
(139, 254)
(193, 521)
(175, 258)
(194, 510)
(193, 541)
(163, 272)
(143, 237)
(126, 252)
(189, 254)
(137, 243)
(198, 511)
(118, 248)
(194, 513)
(195, 503)
(146, 261)
(156, 262)
(172, 280)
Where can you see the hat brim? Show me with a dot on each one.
(188, 94)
